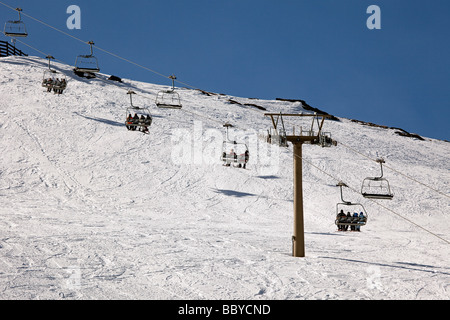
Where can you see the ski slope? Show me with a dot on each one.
(89, 210)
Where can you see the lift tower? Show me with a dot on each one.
(313, 135)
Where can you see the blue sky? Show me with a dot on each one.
(319, 51)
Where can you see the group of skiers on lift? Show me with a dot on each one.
(346, 220)
(142, 122)
(57, 85)
(233, 157)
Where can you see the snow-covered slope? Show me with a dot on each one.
(89, 210)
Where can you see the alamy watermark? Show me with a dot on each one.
(373, 280)
(203, 147)
(74, 21)
(374, 20)
(73, 282)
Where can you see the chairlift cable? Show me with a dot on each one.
(302, 158)
(379, 204)
(98, 48)
(160, 74)
(98, 78)
(169, 77)
(395, 170)
(41, 52)
(63, 62)
(386, 166)
(345, 145)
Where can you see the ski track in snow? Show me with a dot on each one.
(92, 211)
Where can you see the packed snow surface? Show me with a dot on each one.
(90, 210)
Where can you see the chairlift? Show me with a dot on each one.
(234, 152)
(377, 187)
(169, 99)
(325, 140)
(137, 117)
(279, 136)
(87, 63)
(349, 207)
(15, 28)
(313, 135)
(53, 80)
(49, 76)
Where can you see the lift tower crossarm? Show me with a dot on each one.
(298, 239)
(303, 138)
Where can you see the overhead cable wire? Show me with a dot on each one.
(63, 62)
(372, 200)
(119, 87)
(377, 203)
(391, 168)
(97, 47)
(31, 47)
(300, 157)
(303, 159)
(395, 170)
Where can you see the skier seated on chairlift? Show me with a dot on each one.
(226, 157)
(56, 84)
(341, 217)
(143, 122)
(361, 220)
(59, 86)
(231, 155)
(148, 120)
(48, 83)
(354, 220)
(129, 119)
(135, 121)
(246, 157)
(62, 86)
(349, 220)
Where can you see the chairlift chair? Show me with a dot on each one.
(48, 79)
(325, 140)
(53, 80)
(87, 63)
(169, 99)
(377, 187)
(280, 133)
(234, 152)
(347, 206)
(15, 28)
(137, 117)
